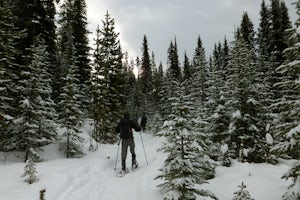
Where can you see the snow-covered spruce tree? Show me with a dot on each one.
(265, 75)
(109, 60)
(35, 125)
(246, 136)
(278, 42)
(264, 54)
(293, 192)
(100, 94)
(182, 170)
(199, 92)
(247, 31)
(199, 77)
(8, 75)
(173, 75)
(30, 171)
(288, 128)
(145, 77)
(81, 45)
(187, 73)
(73, 13)
(70, 115)
(218, 117)
(242, 193)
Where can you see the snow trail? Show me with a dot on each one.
(97, 180)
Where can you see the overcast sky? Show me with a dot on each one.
(163, 20)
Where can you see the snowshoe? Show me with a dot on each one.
(134, 165)
(122, 173)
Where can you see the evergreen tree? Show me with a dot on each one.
(242, 99)
(186, 68)
(242, 194)
(247, 30)
(108, 60)
(263, 39)
(278, 41)
(49, 36)
(187, 73)
(81, 45)
(34, 18)
(199, 76)
(225, 57)
(173, 74)
(146, 77)
(35, 125)
(264, 71)
(73, 13)
(8, 74)
(183, 169)
(70, 114)
(145, 68)
(30, 171)
(287, 128)
(99, 90)
(174, 71)
(293, 192)
(130, 86)
(218, 117)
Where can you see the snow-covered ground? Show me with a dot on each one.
(93, 177)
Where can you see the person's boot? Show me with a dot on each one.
(124, 166)
(134, 163)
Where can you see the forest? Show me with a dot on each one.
(242, 102)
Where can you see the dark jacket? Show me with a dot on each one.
(125, 127)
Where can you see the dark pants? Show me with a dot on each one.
(125, 144)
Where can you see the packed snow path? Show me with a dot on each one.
(95, 179)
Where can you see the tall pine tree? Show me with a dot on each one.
(244, 105)
(81, 45)
(110, 68)
(35, 125)
(288, 127)
(8, 73)
(70, 114)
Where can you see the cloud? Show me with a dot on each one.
(163, 20)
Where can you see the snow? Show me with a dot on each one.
(93, 177)
(269, 139)
(293, 131)
(224, 148)
(237, 114)
(263, 180)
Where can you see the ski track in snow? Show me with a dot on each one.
(97, 180)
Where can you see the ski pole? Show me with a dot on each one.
(144, 149)
(117, 155)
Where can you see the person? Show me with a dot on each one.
(125, 127)
(144, 122)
